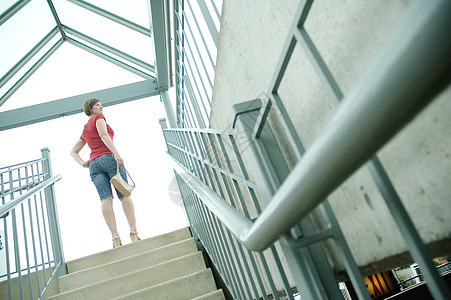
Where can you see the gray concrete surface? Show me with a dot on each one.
(348, 33)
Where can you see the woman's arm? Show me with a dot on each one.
(75, 153)
(103, 133)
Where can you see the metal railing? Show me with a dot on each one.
(224, 211)
(196, 34)
(31, 252)
(417, 279)
(242, 214)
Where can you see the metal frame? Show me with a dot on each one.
(108, 49)
(14, 70)
(12, 10)
(112, 17)
(31, 216)
(82, 41)
(193, 59)
(369, 114)
(72, 105)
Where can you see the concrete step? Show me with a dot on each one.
(183, 288)
(125, 265)
(127, 250)
(215, 295)
(142, 279)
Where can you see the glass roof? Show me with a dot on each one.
(31, 31)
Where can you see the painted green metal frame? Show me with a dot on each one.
(31, 228)
(74, 37)
(13, 10)
(159, 10)
(193, 58)
(112, 17)
(367, 118)
(72, 105)
(80, 40)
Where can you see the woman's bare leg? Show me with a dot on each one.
(129, 210)
(108, 215)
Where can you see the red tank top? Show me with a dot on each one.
(91, 136)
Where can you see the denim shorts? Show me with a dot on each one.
(102, 169)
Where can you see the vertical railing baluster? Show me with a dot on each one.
(45, 233)
(33, 239)
(231, 201)
(18, 268)
(6, 239)
(22, 220)
(258, 210)
(25, 237)
(40, 237)
(245, 212)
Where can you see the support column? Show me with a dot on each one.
(164, 95)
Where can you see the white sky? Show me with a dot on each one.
(138, 137)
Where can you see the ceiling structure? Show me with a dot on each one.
(134, 37)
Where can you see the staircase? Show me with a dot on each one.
(168, 266)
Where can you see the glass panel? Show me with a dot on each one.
(4, 89)
(22, 32)
(136, 11)
(135, 66)
(69, 71)
(105, 30)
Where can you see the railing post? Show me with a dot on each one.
(312, 275)
(55, 234)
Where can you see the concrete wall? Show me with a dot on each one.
(347, 33)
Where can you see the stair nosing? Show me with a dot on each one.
(198, 253)
(149, 240)
(126, 258)
(206, 270)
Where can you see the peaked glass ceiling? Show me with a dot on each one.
(32, 30)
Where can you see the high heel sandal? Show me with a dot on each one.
(116, 241)
(134, 235)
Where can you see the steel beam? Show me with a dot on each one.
(24, 60)
(72, 105)
(30, 72)
(160, 43)
(57, 19)
(106, 48)
(111, 16)
(12, 11)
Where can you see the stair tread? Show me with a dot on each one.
(143, 278)
(183, 288)
(215, 295)
(128, 264)
(124, 251)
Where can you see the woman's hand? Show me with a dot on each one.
(86, 164)
(119, 160)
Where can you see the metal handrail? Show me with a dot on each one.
(368, 118)
(31, 229)
(4, 209)
(389, 94)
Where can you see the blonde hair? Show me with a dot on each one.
(87, 106)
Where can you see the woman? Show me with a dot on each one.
(102, 164)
